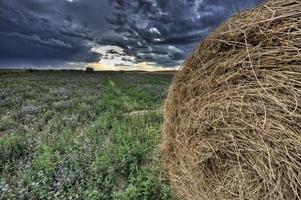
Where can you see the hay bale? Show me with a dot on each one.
(232, 125)
(89, 70)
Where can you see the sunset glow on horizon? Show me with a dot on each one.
(140, 66)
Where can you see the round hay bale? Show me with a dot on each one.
(89, 70)
(232, 125)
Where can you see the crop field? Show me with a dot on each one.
(72, 135)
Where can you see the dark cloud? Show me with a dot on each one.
(48, 30)
(114, 52)
(67, 31)
(165, 31)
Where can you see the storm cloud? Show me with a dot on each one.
(163, 32)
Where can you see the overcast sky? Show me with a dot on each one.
(116, 34)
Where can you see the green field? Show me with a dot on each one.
(71, 135)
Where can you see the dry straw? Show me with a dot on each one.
(232, 119)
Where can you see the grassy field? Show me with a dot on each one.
(71, 135)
